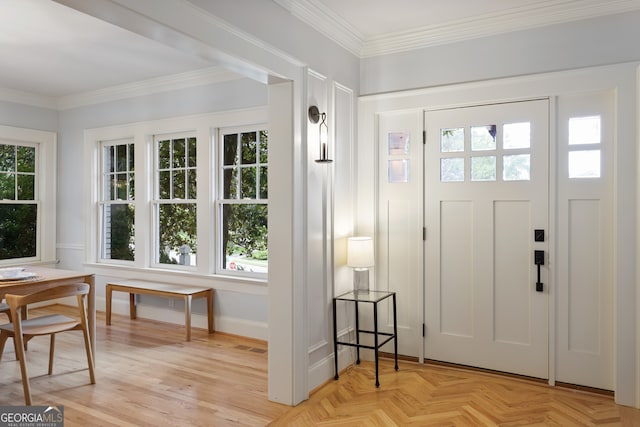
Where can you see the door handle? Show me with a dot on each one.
(538, 259)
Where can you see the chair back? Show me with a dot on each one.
(22, 331)
(17, 301)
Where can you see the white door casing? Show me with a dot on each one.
(481, 304)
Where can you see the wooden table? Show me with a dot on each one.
(51, 277)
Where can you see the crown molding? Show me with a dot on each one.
(27, 98)
(538, 14)
(152, 86)
(326, 22)
(184, 80)
(533, 16)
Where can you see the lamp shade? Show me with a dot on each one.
(360, 252)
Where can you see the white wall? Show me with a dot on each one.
(240, 312)
(329, 204)
(605, 40)
(26, 116)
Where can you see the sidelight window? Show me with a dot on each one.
(584, 147)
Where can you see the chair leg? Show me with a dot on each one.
(19, 344)
(24, 315)
(87, 346)
(52, 346)
(3, 339)
(85, 333)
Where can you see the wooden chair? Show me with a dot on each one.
(23, 330)
(4, 308)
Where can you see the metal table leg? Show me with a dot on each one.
(375, 339)
(357, 334)
(335, 340)
(395, 331)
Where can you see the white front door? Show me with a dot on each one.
(486, 196)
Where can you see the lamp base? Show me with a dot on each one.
(361, 280)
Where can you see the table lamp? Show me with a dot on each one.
(360, 258)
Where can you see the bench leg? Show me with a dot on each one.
(132, 306)
(109, 291)
(210, 310)
(187, 315)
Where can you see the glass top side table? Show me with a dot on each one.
(379, 338)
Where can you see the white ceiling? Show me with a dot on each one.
(52, 51)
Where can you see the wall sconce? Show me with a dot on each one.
(360, 258)
(323, 133)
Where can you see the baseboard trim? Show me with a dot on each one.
(225, 324)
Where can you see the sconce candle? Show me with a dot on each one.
(316, 116)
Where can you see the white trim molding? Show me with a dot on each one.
(533, 15)
(148, 87)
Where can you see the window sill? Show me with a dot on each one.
(247, 285)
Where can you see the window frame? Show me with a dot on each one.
(156, 201)
(102, 200)
(220, 201)
(205, 127)
(45, 186)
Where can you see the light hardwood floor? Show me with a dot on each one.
(148, 376)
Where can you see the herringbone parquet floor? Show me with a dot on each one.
(147, 375)
(428, 395)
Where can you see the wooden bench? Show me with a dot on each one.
(134, 287)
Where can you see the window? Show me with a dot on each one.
(175, 204)
(243, 205)
(27, 195)
(491, 149)
(117, 204)
(19, 208)
(584, 147)
(185, 195)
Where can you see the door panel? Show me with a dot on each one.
(486, 191)
(585, 256)
(399, 225)
(456, 239)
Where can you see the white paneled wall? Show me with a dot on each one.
(329, 202)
